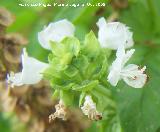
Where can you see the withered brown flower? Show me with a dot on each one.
(6, 18)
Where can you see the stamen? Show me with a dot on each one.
(135, 77)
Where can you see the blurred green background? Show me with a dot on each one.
(138, 109)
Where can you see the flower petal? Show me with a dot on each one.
(115, 69)
(127, 56)
(117, 66)
(134, 76)
(56, 32)
(124, 56)
(114, 74)
(31, 72)
(120, 52)
(113, 34)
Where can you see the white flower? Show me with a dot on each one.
(61, 112)
(56, 32)
(31, 71)
(131, 74)
(89, 109)
(113, 34)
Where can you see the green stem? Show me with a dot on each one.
(101, 128)
(104, 82)
(153, 11)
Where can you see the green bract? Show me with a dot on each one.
(75, 65)
(79, 68)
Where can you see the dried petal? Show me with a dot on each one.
(61, 112)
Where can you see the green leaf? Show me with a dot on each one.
(142, 16)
